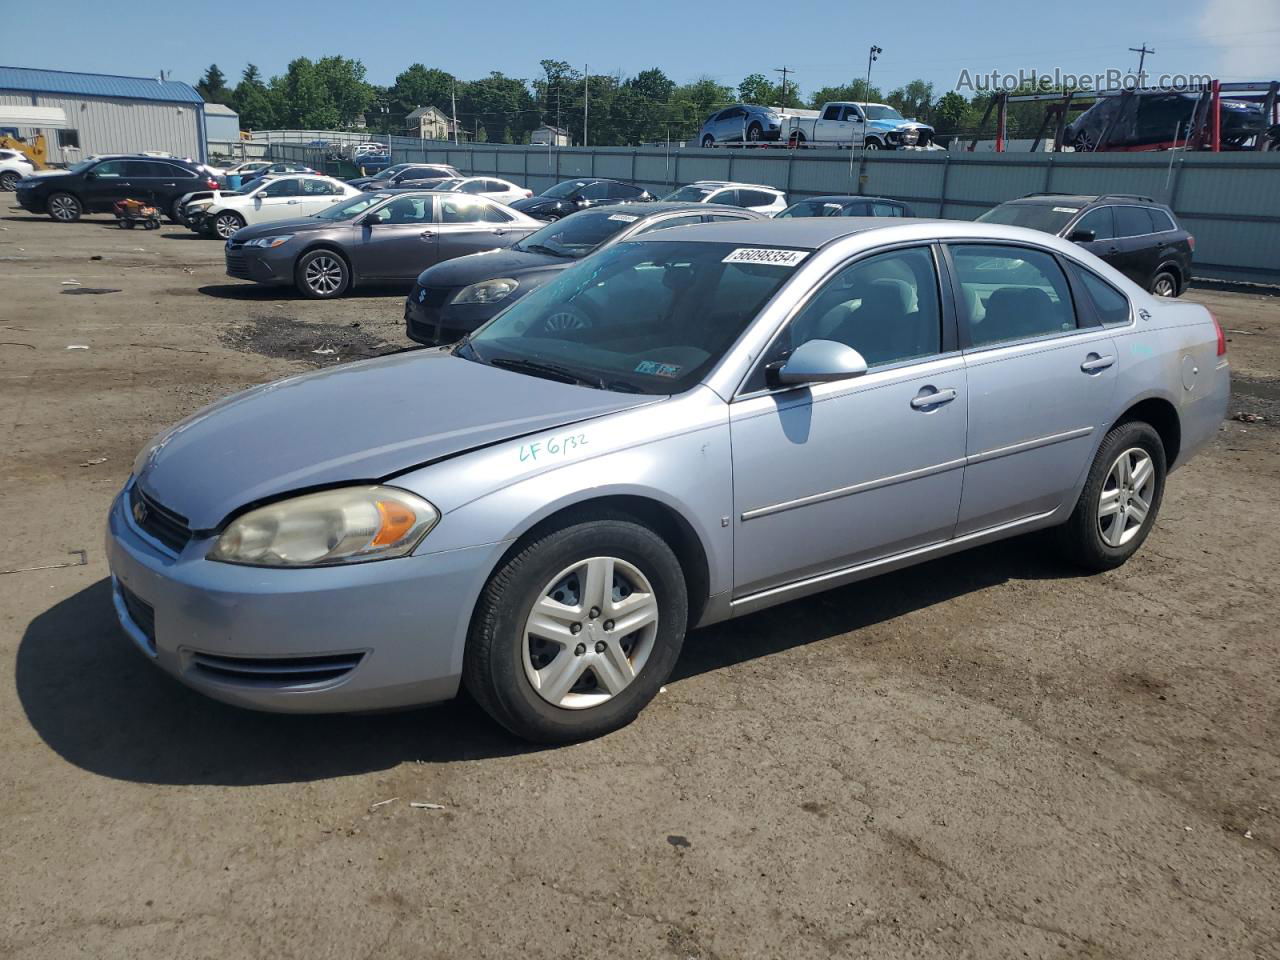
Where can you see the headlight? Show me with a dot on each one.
(270, 242)
(199, 204)
(486, 291)
(350, 525)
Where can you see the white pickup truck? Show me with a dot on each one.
(871, 126)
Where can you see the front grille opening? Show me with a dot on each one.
(275, 672)
(140, 612)
(158, 522)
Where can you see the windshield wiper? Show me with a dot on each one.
(549, 371)
(543, 248)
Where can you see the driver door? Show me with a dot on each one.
(833, 475)
(398, 240)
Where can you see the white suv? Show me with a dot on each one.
(13, 167)
(753, 196)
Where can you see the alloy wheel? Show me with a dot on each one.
(63, 208)
(323, 275)
(590, 633)
(1163, 287)
(9, 181)
(1125, 501)
(226, 225)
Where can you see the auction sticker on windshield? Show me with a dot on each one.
(776, 258)
(623, 217)
(1066, 209)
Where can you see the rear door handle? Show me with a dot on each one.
(1093, 363)
(924, 401)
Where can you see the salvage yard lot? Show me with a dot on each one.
(986, 756)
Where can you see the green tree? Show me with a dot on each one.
(344, 83)
(306, 100)
(496, 101)
(948, 113)
(212, 87)
(756, 89)
(693, 102)
(258, 108)
(915, 100)
(422, 86)
(855, 91)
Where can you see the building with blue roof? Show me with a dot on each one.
(101, 113)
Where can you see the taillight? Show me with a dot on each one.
(1222, 337)
(528, 193)
(211, 184)
(1191, 242)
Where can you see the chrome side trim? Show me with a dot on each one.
(852, 489)
(861, 571)
(1026, 445)
(919, 474)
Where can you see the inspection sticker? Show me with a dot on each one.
(653, 368)
(1066, 209)
(623, 217)
(777, 258)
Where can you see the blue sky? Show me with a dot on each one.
(825, 43)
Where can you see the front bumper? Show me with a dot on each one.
(28, 201)
(366, 636)
(430, 318)
(261, 266)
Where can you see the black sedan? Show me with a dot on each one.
(95, 185)
(404, 175)
(570, 196)
(847, 206)
(385, 237)
(452, 299)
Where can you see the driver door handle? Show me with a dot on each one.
(1093, 363)
(427, 235)
(923, 401)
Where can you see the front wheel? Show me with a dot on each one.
(872, 144)
(225, 224)
(755, 133)
(64, 208)
(577, 632)
(322, 275)
(9, 180)
(708, 141)
(1120, 499)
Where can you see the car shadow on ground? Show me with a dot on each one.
(90, 221)
(262, 292)
(190, 236)
(100, 705)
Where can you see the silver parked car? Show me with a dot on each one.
(742, 122)
(689, 426)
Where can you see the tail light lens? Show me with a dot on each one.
(528, 193)
(211, 184)
(1222, 337)
(1191, 242)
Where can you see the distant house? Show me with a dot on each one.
(547, 135)
(429, 123)
(221, 124)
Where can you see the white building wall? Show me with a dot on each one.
(109, 125)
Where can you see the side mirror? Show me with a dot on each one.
(819, 361)
(369, 220)
(1083, 236)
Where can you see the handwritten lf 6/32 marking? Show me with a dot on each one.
(552, 447)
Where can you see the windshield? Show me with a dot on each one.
(562, 191)
(578, 235)
(82, 166)
(644, 317)
(691, 194)
(882, 113)
(354, 206)
(813, 208)
(388, 172)
(1036, 216)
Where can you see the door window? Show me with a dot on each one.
(885, 210)
(1011, 293)
(319, 188)
(886, 307)
(722, 217)
(474, 186)
(289, 187)
(724, 196)
(406, 210)
(831, 113)
(1101, 221)
(1132, 222)
(492, 213)
(623, 191)
(594, 191)
(461, 210)
(672, 222)
(496, 186)
(1161, 220)
(1111, 304)
(110, 169)
(852, 113)
(754, 198)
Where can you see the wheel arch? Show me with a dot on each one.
(332, 247)
(1163, 417)
(1172, 266)
(659, 516)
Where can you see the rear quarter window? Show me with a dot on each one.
(1111, 305)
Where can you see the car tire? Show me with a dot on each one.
(64, 207)
(1083, 143)
(871, 143)
(796, 140)
(708, 142)
(322, 275)
(608, 677)
(1164, 284)
(9, 181)
(175, 212)
(755, 133)
(1118, 506)
(225, 224)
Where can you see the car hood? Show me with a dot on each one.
(899, 125)
(487, 266)
(364, 183)
(531, 204)
(274, 228)
(357, 422)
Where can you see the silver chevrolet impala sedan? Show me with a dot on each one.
(690, 426)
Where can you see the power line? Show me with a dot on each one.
(1142, 52)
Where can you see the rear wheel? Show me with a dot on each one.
(227, 223)
(796, 139)
(1164, 284)
(322, 275)
(1120, 499)
(64, 208)
(9, 180)
(577, 632)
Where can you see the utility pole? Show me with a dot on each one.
(586, 100)
(784, 71)
(453, 95)
(1142, 52)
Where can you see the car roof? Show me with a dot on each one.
(733, 183)
(844, 198)
(644, 210)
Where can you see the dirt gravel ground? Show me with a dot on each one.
(989, 756)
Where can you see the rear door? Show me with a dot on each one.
(401, 244)
(317, 195)
(1137, 251)
(471, 225)
(169, 182)
(1041, 382)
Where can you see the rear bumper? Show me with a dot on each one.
(367, 636)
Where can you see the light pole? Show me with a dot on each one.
(872, 57)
